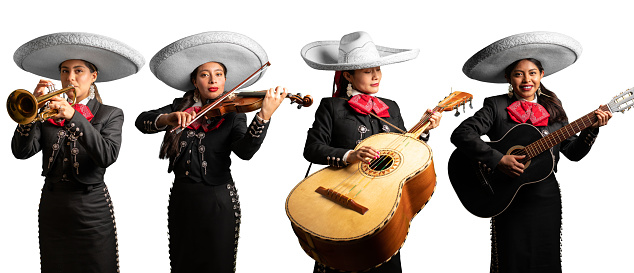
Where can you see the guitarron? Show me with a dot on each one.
(357, 217)
(487, 193)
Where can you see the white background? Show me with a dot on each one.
(444, 237)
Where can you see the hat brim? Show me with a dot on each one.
(43, 55)
(240, 54)
(555, 51)
(323, 55)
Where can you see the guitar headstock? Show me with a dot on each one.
(455, 100)
(622, 102)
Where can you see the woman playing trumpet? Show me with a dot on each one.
(77, 230)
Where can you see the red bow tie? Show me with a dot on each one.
(205, 123)
(82, 109)
(364, 104)
(522, 111)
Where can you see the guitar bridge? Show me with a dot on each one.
(342, 200)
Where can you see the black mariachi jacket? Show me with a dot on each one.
(205, 157)
(493, 120)
(338, 128)
(80, 151)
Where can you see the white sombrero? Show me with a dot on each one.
(354, 51)
(114, 59)
(554, 50)
(240, 54)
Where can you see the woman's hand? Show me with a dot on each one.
(65, 111)
(41, 88)
(602, 118)
(365, 154)
(175, 119)
(434, 120)
(272, 100)
(510, 166)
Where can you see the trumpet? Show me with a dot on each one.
(23, 106)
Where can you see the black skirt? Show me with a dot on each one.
(204, 226)
(527, 236)
(77, 229)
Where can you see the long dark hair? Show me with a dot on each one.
(93, 69)
(169, 146)
(548, 99)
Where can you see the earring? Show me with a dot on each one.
(539, 91)
(91, 95)
(510, 91)
(196, 96)
(349, 90)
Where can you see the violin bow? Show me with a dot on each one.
(208, 107)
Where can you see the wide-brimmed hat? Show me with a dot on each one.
(354, 51)
(555, 51)
(43, 55)
(240, 54)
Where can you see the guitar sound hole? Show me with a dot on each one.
(381, 163)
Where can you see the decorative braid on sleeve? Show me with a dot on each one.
(24, 129)
(336, 162)
(256, 128)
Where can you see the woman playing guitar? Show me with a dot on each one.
(526, 235)
(344, 120)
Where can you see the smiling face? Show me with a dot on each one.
(77, 73)
(525, 79)
(365, 80)
(210, 80)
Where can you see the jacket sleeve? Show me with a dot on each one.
(26, 140)
(577, 147)
(102, 145)
(246, 141)
(317, 149)
(146, 121)
(467, 139)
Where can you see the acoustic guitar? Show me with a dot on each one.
(486, 193)
(357, 217)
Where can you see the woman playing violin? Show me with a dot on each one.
(77, 230)
(526, 236)
(350, 116)
(204, 209)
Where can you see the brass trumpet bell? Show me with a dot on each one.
(23, 106)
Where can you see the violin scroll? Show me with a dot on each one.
(301, 101)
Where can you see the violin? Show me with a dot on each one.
(248, 101)
(251, 100)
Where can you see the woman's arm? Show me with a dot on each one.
(467, 139)
(26, 140)
(102, 145)
(317, 148)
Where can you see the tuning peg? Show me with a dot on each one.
(464, 107)
(299, 106)
(471, 104)
(457, 112)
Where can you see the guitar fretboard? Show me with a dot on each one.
(560, 135)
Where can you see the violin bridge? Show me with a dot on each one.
(342, 200)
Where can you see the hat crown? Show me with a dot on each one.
(357, 47)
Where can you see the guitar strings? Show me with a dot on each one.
(394, 145)
(397, 145)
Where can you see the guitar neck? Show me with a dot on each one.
(424, 122)
(562, 134)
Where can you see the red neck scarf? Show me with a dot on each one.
(365, 104)
(82, 109)
(522, 111)
(201, 121)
